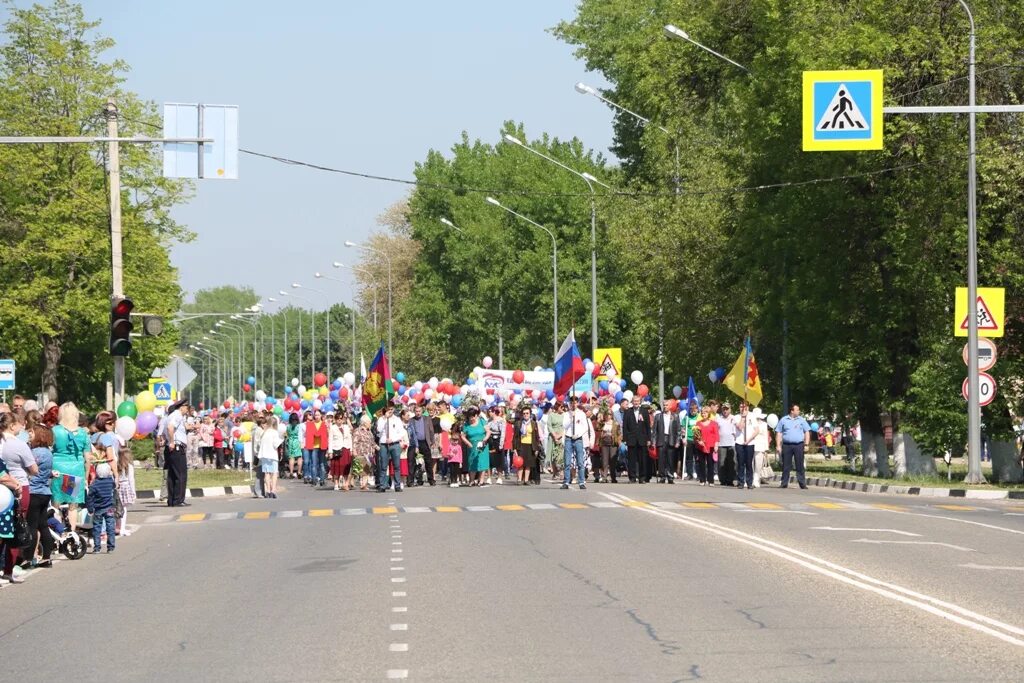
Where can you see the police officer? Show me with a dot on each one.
(792, 435)
(176, 438)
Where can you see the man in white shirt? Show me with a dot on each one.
(579, 436)
(746, 432)
(726, 446)
(393, 434)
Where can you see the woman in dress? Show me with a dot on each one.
(19, 463)
(270, 440)
(125, 487)
(609, 435)
(294, 446)
(362, 449)
(474, 436)
(206, 441)
(526, 443)
(345, 454)
(7, 517)
(70, 448)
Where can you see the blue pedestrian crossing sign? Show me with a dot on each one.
(842, 110)
(163, 390)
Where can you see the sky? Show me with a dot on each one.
(358, 85)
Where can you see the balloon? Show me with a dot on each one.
(127, 409)
(317, 404)
(145, 401)
(550, 394)
(672, 405)
(337, 384)
(537, 393)
(246, 437)
(350, 378)
(417, 385)
(324, 391)
(236, 433)
(637, 377)
(677, 391)
(773, 420)
(343, 393)
(615, 407)
(433, 382)
(333, 394)
(537, 368)
(814, 426)
(642, 390)
(488, 361)
(295, 381)
(401, 390)
(6, 499)
(301, 389)
(250, 380)
(603, 385)
(712, 375)
(588, 365)
(400, 376)
(278, 409)
(427, 394)
(227, 404)
(518, 376)
(146, 422)
(627, 395)
(619, 396)
(456, 401)
(517, 461)
(304, 404)
(246, 387)
(125, 427)
(261, 395)
(446, 425)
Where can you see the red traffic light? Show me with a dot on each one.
(123, 308)
(121, 327)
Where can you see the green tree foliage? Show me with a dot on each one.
(54, 219)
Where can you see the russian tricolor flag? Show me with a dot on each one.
(568, 365)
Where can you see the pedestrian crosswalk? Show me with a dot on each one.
(808, 507)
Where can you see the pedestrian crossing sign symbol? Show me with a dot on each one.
(163, 390)
(990, 309)
(609, 362)
(842, 110)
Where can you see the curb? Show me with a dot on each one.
(209, 492)
(863, 487)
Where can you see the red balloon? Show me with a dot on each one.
(246, 387)
(320, 379)
(227, 404)
(596, 371)
(518, 376)
(343, 393)
(642, 390)
(517, 462)
(394, 385)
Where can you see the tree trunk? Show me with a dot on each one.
(874, 456)
(52, 351)
(1006, 465)
(909, 459)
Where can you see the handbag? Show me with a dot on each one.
(21, 535)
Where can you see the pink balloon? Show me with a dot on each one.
(488, 361)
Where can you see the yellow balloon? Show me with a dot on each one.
(246, 437)
(308, 395)
(145, 401)
(324, 391)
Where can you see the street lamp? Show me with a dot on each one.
(233, 365)
(554, 263)
(676, 32)
(273, 334)
(590, 181)
(391, 339)
(241, 351)
(451, 225)
(352, 312)
(215, 356)
(357, 269)
(240, 319)
(299, 328)
(312, 326)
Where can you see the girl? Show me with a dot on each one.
(105, 443)
(451, 450)
(334, 437)
(206, 441)
(270, 440)
(315, 444)
(705, 433)
(362, 448)
(345, 464)
(609, 436)
(125, 488)
(41, 442)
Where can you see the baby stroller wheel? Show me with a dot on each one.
(73, 547)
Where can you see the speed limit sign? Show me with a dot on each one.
(986, 388)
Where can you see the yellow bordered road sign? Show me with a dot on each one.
(842, 110)
(990, 309)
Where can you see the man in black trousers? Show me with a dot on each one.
(666, 438)
(175, 463)
(636, 432)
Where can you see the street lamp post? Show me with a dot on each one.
(298, 326)
(215, 356)
(229, 347)
(352, 311)
(391, 339)
(590, 181)
(221, 370)
(241, 350)
(357, 269)
(554, 264)
(284, 312)
(676, 32)
(255, 377)
(312, 325)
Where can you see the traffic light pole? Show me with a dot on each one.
(117, 269)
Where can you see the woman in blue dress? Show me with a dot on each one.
(474, 435)
(7, 516)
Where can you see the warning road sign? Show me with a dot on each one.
(986, 388)
(608, 360)
(990, 309)
(842, 110)
(986, 354)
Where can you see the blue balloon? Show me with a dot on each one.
(677, 391)
(814, 426)
(470, 381)
(401, 390)
(517, 391)
(327, 406)
(400, 377)
(294, 396)
(336, 384)
(287, 391)
(618, 396)
(413, 393)
(550, 393)
(603, 384)
(586, 361)
(250, 380)
(304, 404)
(334, 395)
(271, 400)
(456, 400)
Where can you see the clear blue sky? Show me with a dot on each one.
(366, 86)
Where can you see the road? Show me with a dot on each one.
(615, 583)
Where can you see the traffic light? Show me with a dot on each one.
(152, 325)
(121, 327)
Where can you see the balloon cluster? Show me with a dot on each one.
(136, 419)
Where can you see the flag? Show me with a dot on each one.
(70, 485)
(743, 379)
(362, 368)
(691, 395)
(568, 365)
(377, 389)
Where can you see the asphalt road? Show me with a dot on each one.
(616, 583)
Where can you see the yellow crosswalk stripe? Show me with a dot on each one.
(635, 504)
(265, 514)
(701, 506)
(573, 506)
(194, 517)
(385, 510)
(886, 506)
(827, 506)
(965, 508)
(510, 508)
(448, 508)
(765, 506)
(321, 513)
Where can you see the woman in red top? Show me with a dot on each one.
(316, 443)
(218, 443)
(705, 433)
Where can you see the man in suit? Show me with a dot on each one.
(636, 432)
(423, 428)
(667, 436)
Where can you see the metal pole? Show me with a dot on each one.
(312, 344)
(273, 357)
(593, 270)
(116, 266)
(391, 339)
(501, 339)
(352, 313)
(299, 374)
(974, 475)
(328, 343)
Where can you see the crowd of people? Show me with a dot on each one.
(59, 469)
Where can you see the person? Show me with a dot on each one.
(474, 437)
(556, 438)
(792, 435)
(579, 435)
(526, 443)
(20, 464)
(294, 446)
(270, 440)
(495, 437)
(174, 461)
(344, 457)
(7, 519)
(259, 486)
(105, 443)
(392, 434)
(220, 449)
(726, 446)
(423, 429)
(636, 432)
(407, 458)
(41, 443)
(70, 447)
(125, 488)
(667, 438)
(100, 503)
(205, 435)
(609, 436)
(315, 445)
(761, 442)
(746, 435)
(451, 450)
(705, 434)
(688, 451)
(828, 441)
(362, 449)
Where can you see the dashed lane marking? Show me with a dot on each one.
(257, 515)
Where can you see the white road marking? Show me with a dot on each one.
(792, 512)
(399, 647)
(926, 603)
(396, 559)
(396, 543)
(398, 673)
(887, 531)
(478, 508)
(1014, 514)
(541, 506)
(352, 511)
(398, 594)
(663, 505)
(224, 516)
(156, 519)
(397, 579)
(876, 541)
(399, 627)
(989, 567)
(609, 504)
(398, 569)
(399, 609)
(416, 509)
(396, 550)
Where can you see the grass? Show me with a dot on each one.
(837, 469)
(150, 478)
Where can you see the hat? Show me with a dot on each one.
(177, 404)
(757, 414)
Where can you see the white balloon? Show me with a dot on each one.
(464, 389)
(615, 407)
(446, 423)
(628, 395)
(349, 378)
(589, 365)
(611, 374)
(773, 420)
(125, 427)
(302, 389)
(433, 382)
(488, 361)
(417, 385)
(318, 404)
(295, 381)
(637, 377)
(261, 395)
(538, 369)
(614, 388)
(427, 394)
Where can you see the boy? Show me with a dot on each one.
(100, 503)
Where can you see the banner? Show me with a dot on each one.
(501, 380)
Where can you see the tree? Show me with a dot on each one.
(54, 224)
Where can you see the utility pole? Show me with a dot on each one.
(117, 269)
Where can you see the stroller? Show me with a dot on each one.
(68, 541)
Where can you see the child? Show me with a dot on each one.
(125, 487)
(451, 450)
(100, 503)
